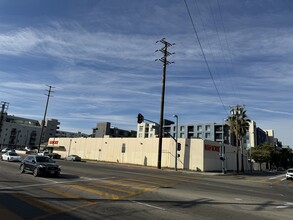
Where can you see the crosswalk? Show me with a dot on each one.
(61, 197)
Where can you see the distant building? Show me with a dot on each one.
(19, 132)
(104, 129)
(209, 131)
(146, 130)
(50, 129)
(60, 134)
(261, 136)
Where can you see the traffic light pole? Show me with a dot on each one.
(176, 141)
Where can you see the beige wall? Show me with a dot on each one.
(144, 151)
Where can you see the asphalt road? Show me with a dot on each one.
(90, 190)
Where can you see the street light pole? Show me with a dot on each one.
(176, 141)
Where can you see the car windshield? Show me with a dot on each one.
(13, 154)
(290, 171)
(44, 159)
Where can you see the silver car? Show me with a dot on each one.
(73, 157)
(289, 174)
(11, 156)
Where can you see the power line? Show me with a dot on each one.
(205, 59)
(228, 49)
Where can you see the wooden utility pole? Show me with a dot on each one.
(44, 119)
(164, 50)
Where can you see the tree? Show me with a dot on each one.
(262, 153)
(239, 125)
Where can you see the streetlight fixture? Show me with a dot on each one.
(176, 141)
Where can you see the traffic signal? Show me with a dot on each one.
(140, 118)
(178, 146)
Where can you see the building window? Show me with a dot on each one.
(208, 127)
(199, 135)
(140, 128)
(199, 128)
(140, 135)
(208, 135)
(182, 128)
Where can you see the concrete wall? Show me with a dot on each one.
(194, 154)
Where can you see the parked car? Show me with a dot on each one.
(10, 156)
(289, 174)
(6, 149)
(39, 165)
(43, 153)
(73, 157)
(54, 155)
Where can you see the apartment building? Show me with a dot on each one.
(19, 132)
(104, 129)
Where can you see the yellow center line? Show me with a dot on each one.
(37, 202)
(7, 214)
(111, 188)
(66, 194)
(152, 183)
(95, 191)
(127, 184)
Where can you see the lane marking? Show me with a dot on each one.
(148, 205)
(37, 202)
(286, 205)
(112, 188)
(275, 177)
(95, 191)
(7, 214)
(52, 183)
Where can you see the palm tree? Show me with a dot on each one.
(239, 125)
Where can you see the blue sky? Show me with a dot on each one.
(99, 55)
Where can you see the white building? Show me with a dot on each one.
(18, 132)
(195, 154)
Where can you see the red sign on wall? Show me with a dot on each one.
(211, 148)
(53, 142)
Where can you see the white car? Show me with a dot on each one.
(289, 174)
(11, 156)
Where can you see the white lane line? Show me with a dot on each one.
(52, 183)
(275, 177)
(286, 205)
(148, 205)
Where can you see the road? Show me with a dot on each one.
(91, 190)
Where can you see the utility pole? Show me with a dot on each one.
(44, 119)
(4, 107)
(164, 50)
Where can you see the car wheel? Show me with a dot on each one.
(21, 169)
(8, 159)
(36, 172)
